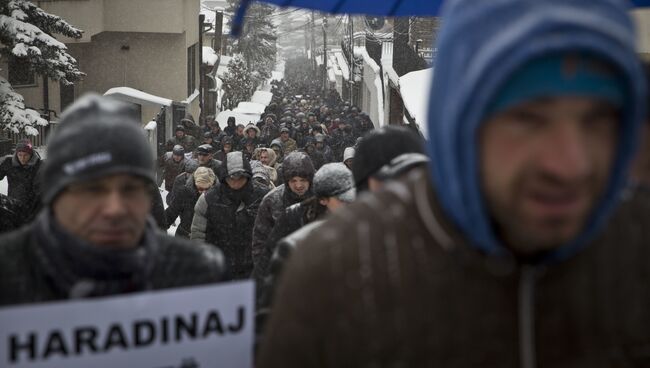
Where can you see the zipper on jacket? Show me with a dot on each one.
(526, 294)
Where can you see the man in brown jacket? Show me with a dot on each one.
(515, 250)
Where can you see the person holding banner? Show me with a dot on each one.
(94, 236)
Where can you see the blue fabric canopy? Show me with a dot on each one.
(388, 8)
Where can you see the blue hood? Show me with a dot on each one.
(481, 44)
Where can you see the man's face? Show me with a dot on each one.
(108, 212)
(180, 134)
(177, 158)
(264, 157)
(312, 118)
(240, 131)
(544, 166)
(23, 157)
(227, 147)
(284, 136)
(252, 133)
(204, 158)
(236, 182)
(299, 185)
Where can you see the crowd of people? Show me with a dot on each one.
(511, 237)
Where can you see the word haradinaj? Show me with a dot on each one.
(136, 334)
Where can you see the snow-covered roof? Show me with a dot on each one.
(414, 88)
(240, 118)
(250, 108)
(210, 57)
(262, 97)
(136, 96)
(151, 125)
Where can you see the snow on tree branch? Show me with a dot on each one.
(26, 36)
(13, 114)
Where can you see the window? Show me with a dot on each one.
(191, 69)
(20, 73)
(66, 94)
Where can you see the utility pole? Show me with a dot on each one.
(306, 40)
(351, 44)
(313, 42)
(326, 77)
(201, 68)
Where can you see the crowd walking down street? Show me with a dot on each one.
(514, 233)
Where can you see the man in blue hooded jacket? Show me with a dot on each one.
(518, 248)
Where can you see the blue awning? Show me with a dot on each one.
(387, 8)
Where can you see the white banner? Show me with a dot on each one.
(198, 327)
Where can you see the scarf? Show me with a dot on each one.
(79, 269)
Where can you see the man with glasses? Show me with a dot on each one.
(224, 215)
(94, 236)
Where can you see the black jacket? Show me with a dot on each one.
(10, 218)
(229, 218)
(294, 218)
(182, 204)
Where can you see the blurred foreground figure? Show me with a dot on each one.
(515, 251)
(94, 237)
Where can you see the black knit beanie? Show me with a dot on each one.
(96, 136)
(297, 164)
(379, 147)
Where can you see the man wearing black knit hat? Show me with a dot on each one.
(377, 149)
(94, 237)
(297, 173)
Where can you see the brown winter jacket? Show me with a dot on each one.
(388, 282)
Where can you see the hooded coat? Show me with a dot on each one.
(171, 168)
(182, 204)
(24, 182)
(276, 201)
(420, 277)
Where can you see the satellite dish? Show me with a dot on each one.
(375, 23)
